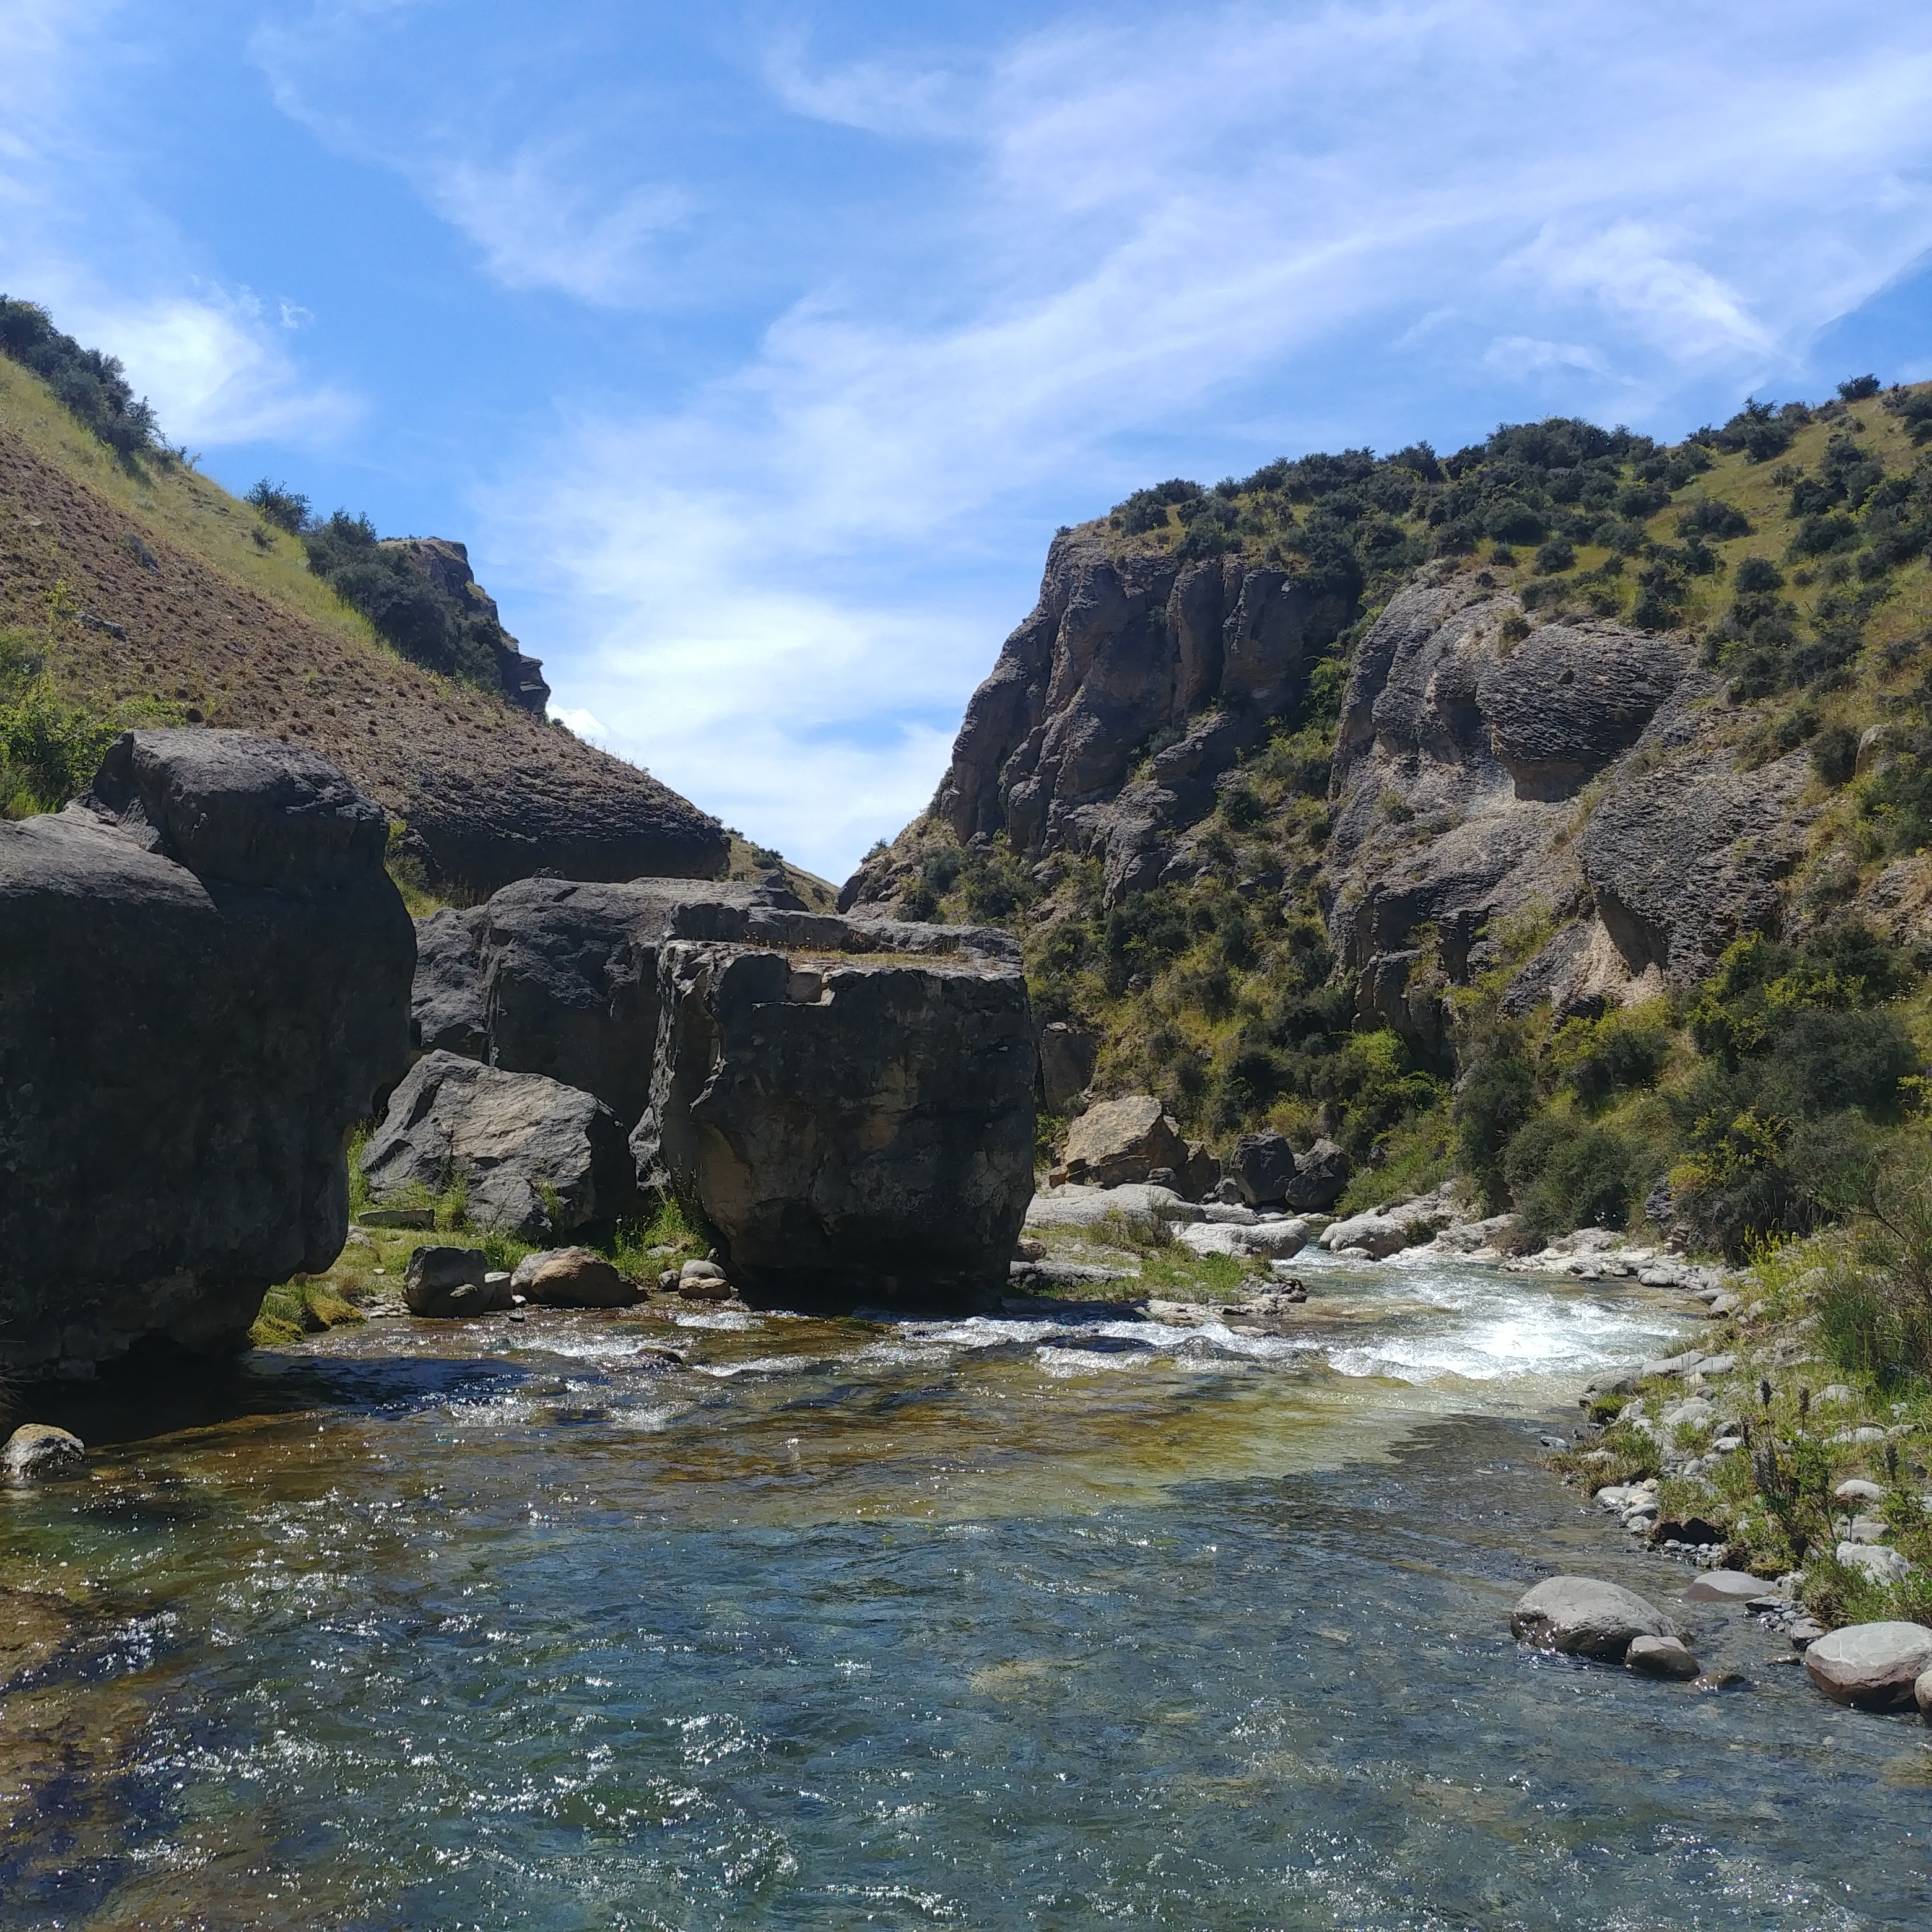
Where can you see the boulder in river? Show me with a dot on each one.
(1320, 1178)
(536, 1158)
(443, 1281)
(851, 1130)
(1582, 1616)
(1665, 1657)
(204, 984)
(1263, 1166)
(572, 1278)
(36, 1449)
(1874, 1666)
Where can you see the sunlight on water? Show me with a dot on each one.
(978, 1623)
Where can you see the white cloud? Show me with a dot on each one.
(1523, 355)
(213, 369)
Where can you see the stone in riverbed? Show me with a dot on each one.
(447, 1283)
(1873, 1562)
(1873, 1667)
(1724, 1586)
(1663, 1656)
(703, 1281)
(36, 1449)
(1321, 1177)
(570, 1278)
(1581, 1616)
(872, 1144)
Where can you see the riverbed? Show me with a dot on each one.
(982, 1623)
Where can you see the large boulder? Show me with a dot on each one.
(1117, 1141)
(1872, 1666)
(1262, 1166)
(1321, 1177)
(850, 1131)
(446, 1001)
(572, 1278)
(204, 983)
(1581, 1616)
(536, 1158)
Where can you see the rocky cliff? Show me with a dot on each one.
(1308, 792)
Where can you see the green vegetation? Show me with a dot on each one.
(1790, 544)
(92, 386)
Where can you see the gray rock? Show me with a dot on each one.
(38, 1450)
(445, 1282)
(1067, 1054)
(1874, 1666)
(1321, 1177)
(1073, 1206)
(396, 1217)
(538, 1158)
(1874, 1562)
(1802, 1632)
(1581, 1616)
(446, 1000)
(572, 1278)
(874, 1143)
(1383, 1231)
(1664, 1657)
(1724, 1586)
(1117, 1141)
(1859, 1489)
(1263, 1165)
(1693, 1412)
(204, 983)
(1674, 1365)
(704, 1281)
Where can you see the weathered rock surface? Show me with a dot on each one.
(203, 984)
(851, 1131)
(572, 1278)
(1875, 1666)
(38, 1450)
(1066, 1060)
(538, 1158)
(1118, 1141)
(1116, 652)
(1079, 1207)
(445, 1283)
(444, 565)
(1383, 1231)
(1321, 1177)
(446, 1000)
(1581, 1616)
(1262, 1166)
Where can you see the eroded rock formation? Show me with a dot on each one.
(204, 982)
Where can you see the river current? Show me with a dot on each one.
(981, 1623)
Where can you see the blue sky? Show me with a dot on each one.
(756, 350)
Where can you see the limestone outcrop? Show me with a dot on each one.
(204, 983)
(536, 1159)
(1123, 656)
(851, 1130)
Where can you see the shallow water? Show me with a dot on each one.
(982, 1623)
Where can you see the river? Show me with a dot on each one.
(977, 1624)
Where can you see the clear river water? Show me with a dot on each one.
(980, 1624)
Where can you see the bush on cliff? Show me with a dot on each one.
(94, 386)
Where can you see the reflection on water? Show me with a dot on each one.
(980, 1623)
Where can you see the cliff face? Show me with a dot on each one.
(1135, 683)
(1272, 770)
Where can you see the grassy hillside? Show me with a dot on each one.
(1791, 546)
(133, 590)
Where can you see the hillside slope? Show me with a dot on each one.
(1434, 803)
(139, 589)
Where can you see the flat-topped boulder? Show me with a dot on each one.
(1874, 1666)
(204, 983)
(854, 1125)
(1584, 1616)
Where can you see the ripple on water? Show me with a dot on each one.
(992, 1623)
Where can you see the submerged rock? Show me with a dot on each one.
(204, 984)
(1660, 1657)
(537, 1158)
(38, 1449)
(851, 1131)
(1581, 1616)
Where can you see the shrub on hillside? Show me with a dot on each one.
(49, 750)
(287, 509)
(94, 387)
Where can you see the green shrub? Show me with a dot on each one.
(287, 509)
(49, 750)
(1494, 1100)
(94, 387)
